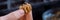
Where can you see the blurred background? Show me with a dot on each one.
(39, 7)
(7, 6)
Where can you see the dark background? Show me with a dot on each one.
(38, 6)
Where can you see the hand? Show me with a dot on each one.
(27, 9)
(13, 15)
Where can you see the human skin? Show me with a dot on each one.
(13, 15)
(24, 9)
(28, 11)
(16, 15)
